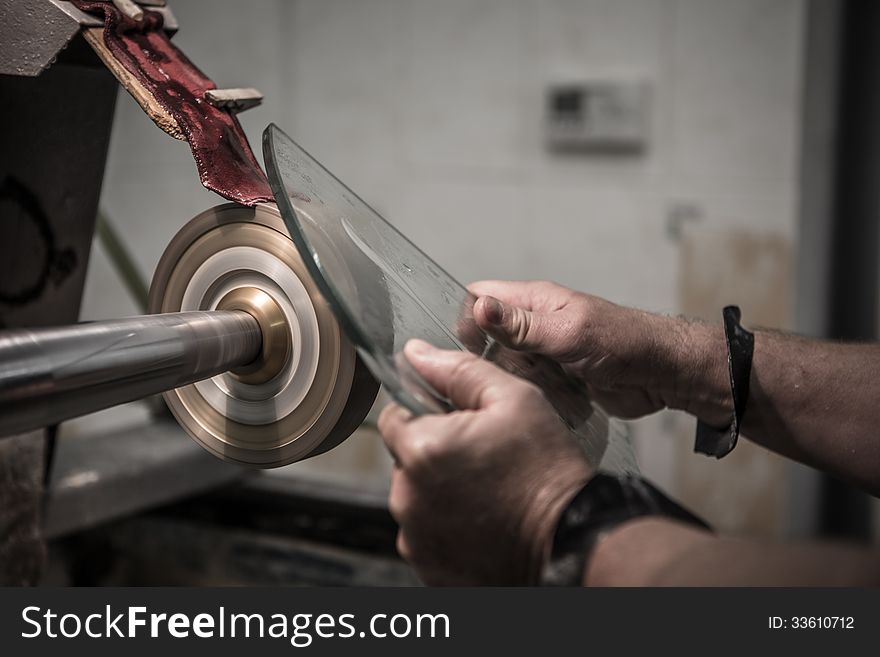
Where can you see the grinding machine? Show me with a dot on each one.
(252, 361)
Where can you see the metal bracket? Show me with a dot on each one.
(32, 33)
(234, 100)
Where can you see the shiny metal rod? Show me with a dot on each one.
(52, 374)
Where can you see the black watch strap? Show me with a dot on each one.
(605, 502)
(740, 348)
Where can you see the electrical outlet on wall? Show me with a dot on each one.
(598, 115)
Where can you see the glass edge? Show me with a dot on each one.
(342, 314)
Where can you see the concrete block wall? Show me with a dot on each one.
(433, 112)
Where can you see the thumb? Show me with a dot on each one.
(467, 381)
(514, 327)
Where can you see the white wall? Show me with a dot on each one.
(433, 112)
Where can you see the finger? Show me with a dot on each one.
(530, 295)
(470, 334)
(467, 381)
(517, 327)
(391, 416)
(415, 442)
(430, 441)
(391, 423)
(399, 495)
(403, 548)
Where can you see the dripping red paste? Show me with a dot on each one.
(223, 156)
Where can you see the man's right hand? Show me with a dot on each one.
(633, 362)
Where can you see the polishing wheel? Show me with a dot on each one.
(308, 389)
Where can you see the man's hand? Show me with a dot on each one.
(633, 362)
(477, 492)
(809, 400)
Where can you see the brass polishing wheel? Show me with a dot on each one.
(308, 390)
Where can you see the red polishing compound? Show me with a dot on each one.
(223, 156)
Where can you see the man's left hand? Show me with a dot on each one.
(477, 492)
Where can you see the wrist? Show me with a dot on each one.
(700, 381)
(540, 523)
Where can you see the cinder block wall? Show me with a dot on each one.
(433, 112)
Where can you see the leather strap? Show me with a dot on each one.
(740, 349)
(223, 156)
(605, 502)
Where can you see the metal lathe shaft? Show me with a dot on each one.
(52, 374)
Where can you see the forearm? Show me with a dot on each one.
(659, 552)
(817, 402)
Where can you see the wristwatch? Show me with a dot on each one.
(605, 502)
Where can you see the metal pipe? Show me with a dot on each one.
(52, 374)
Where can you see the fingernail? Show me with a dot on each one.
(493, 309)
(418, 349)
